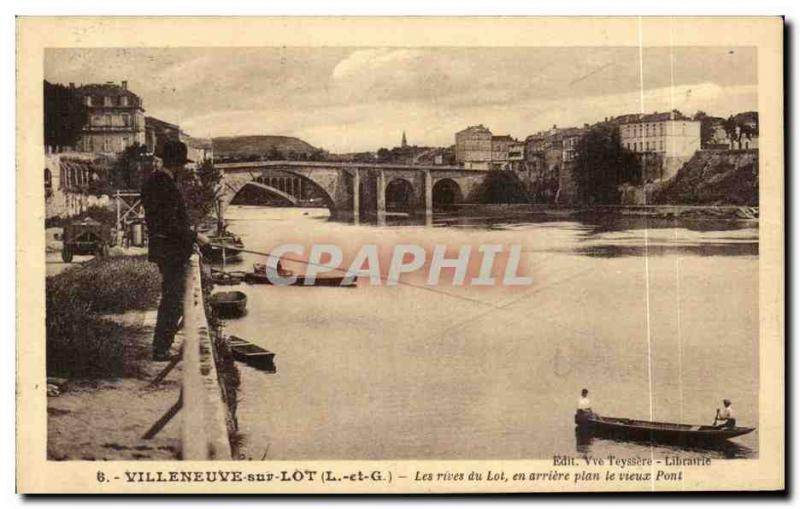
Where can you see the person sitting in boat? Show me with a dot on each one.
(725, 415)
(584, 406)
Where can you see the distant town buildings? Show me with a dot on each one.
(116, 118)
(477, 148)
(550, 163)
(158, 132)
(669, 140)
(474, 147)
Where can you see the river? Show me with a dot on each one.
(658, 319)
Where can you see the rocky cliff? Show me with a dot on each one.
(713, 177)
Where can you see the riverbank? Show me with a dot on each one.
(100, 319)
(104, 417)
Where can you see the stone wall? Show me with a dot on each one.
(63, 199)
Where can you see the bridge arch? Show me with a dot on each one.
(237, 182)
(446, 192)
(399, 195)
(256, 190)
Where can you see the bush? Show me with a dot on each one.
(80, 342)
(100, 214)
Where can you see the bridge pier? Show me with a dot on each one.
(356, 196)
(428, 190)
(380, 185)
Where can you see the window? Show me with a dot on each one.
(662, 145)
(123, 101)
(126, 119)
(88, 100)
(107, 145)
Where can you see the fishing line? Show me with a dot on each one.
(382, 276)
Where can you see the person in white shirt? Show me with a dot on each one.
(725, 416)
(584, 406)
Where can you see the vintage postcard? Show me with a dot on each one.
(400, 255)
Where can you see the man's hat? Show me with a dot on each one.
(726, 401)
(174, 153)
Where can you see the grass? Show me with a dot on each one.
(80, 340)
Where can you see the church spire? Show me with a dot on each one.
(404, 143)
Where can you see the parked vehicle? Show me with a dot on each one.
(85, 237)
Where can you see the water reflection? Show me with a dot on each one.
(700, 249)
(608, 235)
(494, 389)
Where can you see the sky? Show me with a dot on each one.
(360, 99)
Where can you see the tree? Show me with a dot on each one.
(126, 173)
(64, 116)
(201, 190)
(603, 164)
(706, 127)
(730, 128)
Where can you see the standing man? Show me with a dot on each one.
(171, 242)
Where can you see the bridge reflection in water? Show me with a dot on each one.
(353, 190)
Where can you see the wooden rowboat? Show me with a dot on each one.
(259, 277)
(223, 247)
(223, 278)
(252, 355)
(254, 278)
(663, 432)
(229, 304)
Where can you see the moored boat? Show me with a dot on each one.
(252, 355)
(259, 277)
(229, 304)
(665, 432)
(223, 247)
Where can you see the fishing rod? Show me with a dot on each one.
(328, 267)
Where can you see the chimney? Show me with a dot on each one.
(124, 85)
(72, 84)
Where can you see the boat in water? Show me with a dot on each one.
(252, 355)
(224, 246)
(229, 304)
(259, 277)
(660, 432)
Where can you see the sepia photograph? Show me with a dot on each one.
(274, 254)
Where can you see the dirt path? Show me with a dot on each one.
(105, 419)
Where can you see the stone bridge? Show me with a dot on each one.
(358, 188)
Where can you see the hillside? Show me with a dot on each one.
(714, 177)
(261, 145)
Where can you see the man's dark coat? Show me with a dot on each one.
(171, 238)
